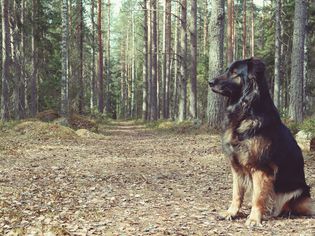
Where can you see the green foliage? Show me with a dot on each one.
(309, 126)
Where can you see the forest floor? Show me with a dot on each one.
(131, 180)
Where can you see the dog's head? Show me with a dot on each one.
(240, 79)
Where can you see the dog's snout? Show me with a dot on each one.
(211, 83)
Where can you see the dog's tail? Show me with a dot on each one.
(304, 206)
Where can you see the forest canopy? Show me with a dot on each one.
(151, 59)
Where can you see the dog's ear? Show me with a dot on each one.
(254, 67)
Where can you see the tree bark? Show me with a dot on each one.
(230, 45)
(133, 70)
(297, 60)
(149, 26)
(277, 84)
(64, 110)
(183, 65)
(177, 63)
(33, 105)
(244, 30)
(80, 47)
(108, 64)
(252, 39)
(154, 104)
(6, 52)
(93, 83)
(16, 53)
(100, 60)
(193, 75)
(215, 102)
(167, 40)
(145, 63)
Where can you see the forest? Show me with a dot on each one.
(108, 125)
(150, 59)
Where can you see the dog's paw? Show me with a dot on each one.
(251, 222)
(227, 215)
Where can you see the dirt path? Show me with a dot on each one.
(134, 181)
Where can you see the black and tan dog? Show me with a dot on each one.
(262, 151)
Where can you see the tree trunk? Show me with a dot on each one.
(252, 39)
(6, 52)
(108, 67)
(100, 60)
(93, 83)
(23, 83)
(183, 65)
(16, 46)
(64, 48)
(297, 60)
(193, 75)
(206, 29)
(154, 104)
(80, 47)
(277, 84)
(133, 70)
(166, 57)
(149, 24)
(177, 63)
(215, 102)
(244, 29)
(230, 46)
(145, 64)
(33, 106)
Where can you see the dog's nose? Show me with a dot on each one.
(211, 83)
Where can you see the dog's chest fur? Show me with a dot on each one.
(244, 153)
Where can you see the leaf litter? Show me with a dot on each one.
(132, 181)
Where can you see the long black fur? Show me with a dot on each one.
(251, 100)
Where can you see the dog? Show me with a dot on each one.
(263, 153)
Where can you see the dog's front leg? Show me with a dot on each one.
(237, 195)
(262, 188)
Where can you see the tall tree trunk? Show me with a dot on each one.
(6, 51)
(166, 73)
(133, 70)
(23, 56)
(80, 47)
(244, 29)
(149, 23)
(145, 63)
(252, 39)
(183, 65)
(108, 67)
(65, 57)
(33, 106)
(230, 45)
(193, 74)
(100, 60)
(93, 81)
(233, 40)
(16, 52)
(177, 63)
(215, 102)
(154, 104)
(206, 29)
(277, 84)
(297, 60)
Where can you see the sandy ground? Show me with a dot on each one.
(133, 181)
